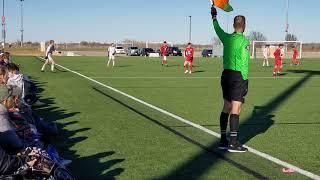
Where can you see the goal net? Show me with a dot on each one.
(258, 46)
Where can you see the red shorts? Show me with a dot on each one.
(294, 57)
(278, 62)
(189, 60)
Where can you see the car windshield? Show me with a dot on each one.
(134, 48)
(175, 48)
(149, 50)
(119, 47)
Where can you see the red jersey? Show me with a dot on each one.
(295, 52)
(189, 52)
(277, 54)
(164, 49)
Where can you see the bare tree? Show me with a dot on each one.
(291, 37)
(257, 36)
(217, 41)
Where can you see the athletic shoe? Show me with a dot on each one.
(186, 71)
(190, 72)
(223, 145)
(237, 148)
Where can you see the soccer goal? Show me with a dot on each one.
(257, 48)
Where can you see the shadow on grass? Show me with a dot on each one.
(210, 155)
(260, 115)
(123, 66)
(256, 124)
(82, 167)
(195, 72)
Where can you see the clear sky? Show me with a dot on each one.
(154, 21)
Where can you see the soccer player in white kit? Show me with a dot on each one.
(111, 55)
(266, 54)
(49, 60)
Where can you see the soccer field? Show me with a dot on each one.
(108, 135)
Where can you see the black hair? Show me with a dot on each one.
(13, 67)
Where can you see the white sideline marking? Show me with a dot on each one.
(256, 152)
(188, 77)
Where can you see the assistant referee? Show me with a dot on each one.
(234, 79)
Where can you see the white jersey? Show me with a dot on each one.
(50, 50)
(111, 50)
(265, 53)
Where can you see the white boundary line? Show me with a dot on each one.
(256, 152)
(186, 77)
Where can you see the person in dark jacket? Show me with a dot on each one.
(10, 163)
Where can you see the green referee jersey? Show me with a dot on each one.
(236, 50)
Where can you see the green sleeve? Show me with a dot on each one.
(220, 32)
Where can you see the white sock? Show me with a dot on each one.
(113, 63)
(52, 67)
(44, 66)
(108, 63)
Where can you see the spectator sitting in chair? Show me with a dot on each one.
(8, 137)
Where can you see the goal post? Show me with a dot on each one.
(257, 48)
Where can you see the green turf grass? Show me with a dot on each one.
(108, 135)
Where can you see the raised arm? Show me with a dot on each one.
(220, 32)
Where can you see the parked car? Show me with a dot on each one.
(207, 53)
(133, 51)
(174, 51)
(120, 50)
(146, 51)
(159, 52)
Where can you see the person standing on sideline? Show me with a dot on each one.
(49, 53)
(266, 54)
(234, 79)
(111, 55)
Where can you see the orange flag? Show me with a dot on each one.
(222, 4)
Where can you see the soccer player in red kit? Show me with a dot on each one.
(278, 60)
(164, 51)
(188, 56)
(295, 55)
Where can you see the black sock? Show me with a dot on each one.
(234, 127)
(224, 118)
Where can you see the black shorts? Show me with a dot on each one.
(234, 88)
